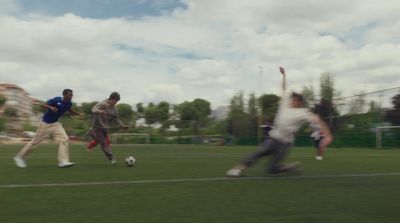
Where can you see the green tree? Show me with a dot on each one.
(253, 117)
(140, 108)
(2, 124)
(2, 100)
(269, 106)
(357, 105)
(308, 95)
(86, 107)
(11, 112)
(238, 118)
(393, 115)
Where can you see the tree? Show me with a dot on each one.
(140, 108)
(253, 117)
(237, 117)
(194, 114)
(357, 105)
(2, 100)
(2, 124)
(125, 111)
(87, 107)
(393, 115)
(11, 112)
(157, 113)
(308, 95)
(269, 106)
(326, 107)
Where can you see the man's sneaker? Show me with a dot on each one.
(113, 162)
(65, 164)
(234, 173)
(319, 158)
(19, 162)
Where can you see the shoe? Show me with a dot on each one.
(113, 162)
(234, 173)
(65, 164)
(19, 162)
(319, 158)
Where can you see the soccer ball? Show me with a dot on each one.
(130, 161)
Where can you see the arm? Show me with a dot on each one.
(99, 108)
(48, 106)
(283, 72)
(76, 113)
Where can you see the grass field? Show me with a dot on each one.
(186, 183)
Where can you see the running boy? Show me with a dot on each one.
(103, 114)
(290, 116)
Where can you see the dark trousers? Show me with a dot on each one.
(270, 147)
(101, 137)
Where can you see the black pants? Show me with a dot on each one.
(270, 147)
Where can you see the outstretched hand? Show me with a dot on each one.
(282, 70)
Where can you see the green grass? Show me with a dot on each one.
(270, 199)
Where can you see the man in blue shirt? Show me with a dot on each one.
(50, 126)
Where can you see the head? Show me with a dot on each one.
(114, 98)
(297, 100)
(67, 94)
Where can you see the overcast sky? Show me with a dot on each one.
(176, 50)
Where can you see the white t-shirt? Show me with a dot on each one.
(288, 120)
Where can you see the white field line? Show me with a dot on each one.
(189, 180)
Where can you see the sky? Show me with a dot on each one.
(177, 50)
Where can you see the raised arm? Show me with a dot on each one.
(283, 72)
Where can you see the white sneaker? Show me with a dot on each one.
(319, 158)
(113, 162)
(234, 173)
(65, 164)
(19, 162)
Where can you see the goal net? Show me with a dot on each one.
(130, 138)
(388, 137)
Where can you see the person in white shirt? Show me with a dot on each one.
(317, 136)
(290, 116)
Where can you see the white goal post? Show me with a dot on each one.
(379, 131)
(114, 137)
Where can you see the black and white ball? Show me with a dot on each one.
(130, 161)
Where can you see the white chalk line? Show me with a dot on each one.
(189, 180)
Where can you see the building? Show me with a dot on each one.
(18, 99)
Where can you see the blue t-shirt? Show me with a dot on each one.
(51, 117)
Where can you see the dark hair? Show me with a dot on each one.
(66, 91)
(298, 96)
(114, 96)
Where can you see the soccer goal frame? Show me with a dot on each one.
(114, 136)
(379, 131)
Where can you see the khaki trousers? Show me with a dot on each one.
(44, 130)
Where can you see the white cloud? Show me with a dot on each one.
(210, 50)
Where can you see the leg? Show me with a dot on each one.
(264, 150)
(101, 138)
(62, 138)
(279, 153)
(41, 133)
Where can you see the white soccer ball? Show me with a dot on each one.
(130, 161)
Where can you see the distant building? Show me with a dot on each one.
(220, 113)
(18, 99)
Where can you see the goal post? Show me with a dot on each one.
(387, 133)
(130, 138)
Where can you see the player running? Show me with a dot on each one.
(49, 125)
(103, 114)
(290, 116)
